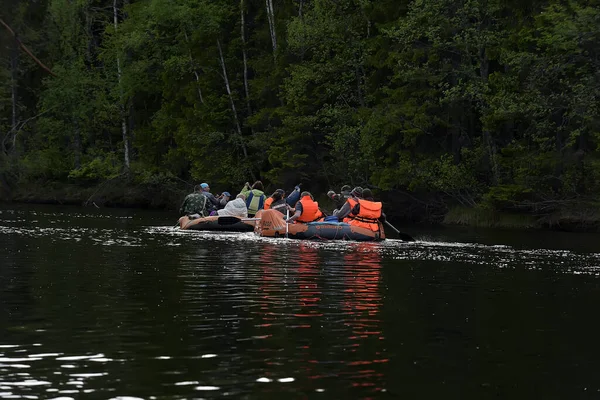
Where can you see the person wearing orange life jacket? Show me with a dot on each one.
(361, 210)
(279, 203)
(276, 196)
(307, 210)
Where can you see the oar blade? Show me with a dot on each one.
(403, 236)
(406, 237)
(228, 220)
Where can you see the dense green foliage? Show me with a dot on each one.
(477, 103)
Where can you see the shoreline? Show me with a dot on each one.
(120, 194)
(583, 219)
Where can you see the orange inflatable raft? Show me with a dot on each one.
(272, 224)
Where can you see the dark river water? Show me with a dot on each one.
(116, 304)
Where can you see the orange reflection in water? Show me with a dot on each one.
(362, 275)
(361, 302)
(309, 294)
(326, 312)
(270, 286)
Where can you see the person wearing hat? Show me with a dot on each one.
(340, 198)
(223, 199)
(235, 208)
(213, 204)
(361, 210)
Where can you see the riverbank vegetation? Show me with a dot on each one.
(488, 106)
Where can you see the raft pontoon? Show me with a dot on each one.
(272, 224)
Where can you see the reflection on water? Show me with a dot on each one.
(119, 304)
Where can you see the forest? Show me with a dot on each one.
(450, 110)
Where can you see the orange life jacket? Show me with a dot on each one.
(310, 210)
(267, 204)
(367, 217)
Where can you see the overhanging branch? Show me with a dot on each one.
(25, 49)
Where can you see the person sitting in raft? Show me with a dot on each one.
(368, 195)
(346, 208)
(213, 204)
(255, 197)
(340, 198)
(235, 208)
(277, 202)
(294, 196)
(223, 198)
(194, 204)
(361, 212)
(307, 210)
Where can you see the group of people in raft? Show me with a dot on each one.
(354, 206)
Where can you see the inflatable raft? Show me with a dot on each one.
(218, 223)
(272, 224)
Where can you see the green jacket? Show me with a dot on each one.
(194, 203)
(255, 199)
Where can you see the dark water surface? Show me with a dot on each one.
(116, 304)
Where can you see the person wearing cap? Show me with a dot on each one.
(307, 210)
(223, 199)
(195, 204)
(340, 198)
(235, 208)
(213, 204)
(361, 210)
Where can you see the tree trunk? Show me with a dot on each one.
(455, 117)
(198, 83)
(233, 109)
(11, 135)
(271, 18)
(77, 145)
(14, 70)
(484, 68)
(359, 79)
(91, 42)
(245, 57)
(122, 108)
(195, 71)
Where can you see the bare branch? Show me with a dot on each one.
(41, 64)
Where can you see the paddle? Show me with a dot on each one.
(177, 225)
(230, 220)
(403, 236)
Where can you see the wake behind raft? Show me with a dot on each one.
(272, 224)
